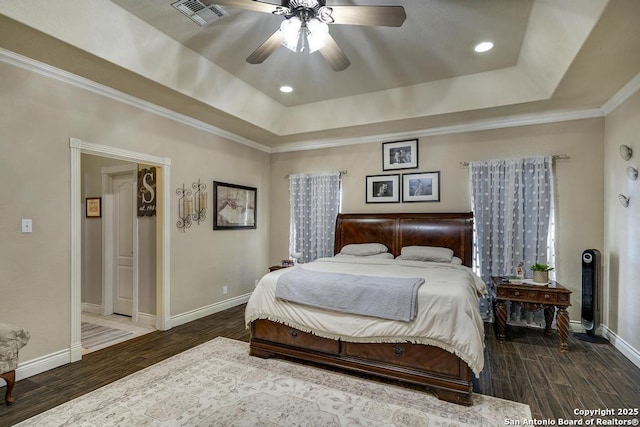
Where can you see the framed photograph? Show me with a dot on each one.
(93, 207)
(400, 155)
(383, 189)
(421, 187)
(235, 206)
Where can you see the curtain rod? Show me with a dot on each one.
(340, 172)
(554, 157)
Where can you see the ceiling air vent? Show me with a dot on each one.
(200, 13)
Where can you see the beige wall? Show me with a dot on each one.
(579, 192)
(38, 115)
(622, 226)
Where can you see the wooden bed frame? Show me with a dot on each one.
(442, 372)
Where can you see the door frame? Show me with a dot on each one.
(108, 243)
(163, 251)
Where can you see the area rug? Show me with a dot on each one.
(94, 336)
(219, 384)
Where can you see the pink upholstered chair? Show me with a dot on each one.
(12, 339)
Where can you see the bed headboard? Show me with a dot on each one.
(395, 230)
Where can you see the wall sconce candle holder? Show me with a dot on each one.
(199, 201)
(624, 200)
(185, 208)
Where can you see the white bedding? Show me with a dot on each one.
(448, 315)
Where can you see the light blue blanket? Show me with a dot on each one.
(393, 298)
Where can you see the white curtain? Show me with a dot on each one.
(314, 200)
(513, 210)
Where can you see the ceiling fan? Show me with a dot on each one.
(305, 27)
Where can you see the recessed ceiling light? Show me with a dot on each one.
(483, 47)
(286, 89)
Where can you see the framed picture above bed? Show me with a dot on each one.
(235, 206)
(421, 187)
(383, 189)
(400, 155)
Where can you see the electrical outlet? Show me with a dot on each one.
(225, 289)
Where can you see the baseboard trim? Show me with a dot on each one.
(54, 360)
(625, 348)
(143, 318)
(147, 319)
(42, 364)
(91, 308)
(190, 316)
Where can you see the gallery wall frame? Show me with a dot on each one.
(93, 207)
(383, 188)
(400, 155)
(235, 206)
(421, 187)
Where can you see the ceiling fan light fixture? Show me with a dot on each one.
(483, 47)
(316, 34)
(304, 36)
(325, 14)
(290, 29)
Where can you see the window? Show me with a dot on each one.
(314, 201)
(514, 215)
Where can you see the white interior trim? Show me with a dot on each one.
(625, 348)
(208, 310)
(505, 122)
(78, 147)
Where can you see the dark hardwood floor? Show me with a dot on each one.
(527, 368)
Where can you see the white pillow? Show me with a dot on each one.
(426, 253)
(384, 255)
(455, 260)
(364, 249)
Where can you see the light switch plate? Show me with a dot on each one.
(27, 225)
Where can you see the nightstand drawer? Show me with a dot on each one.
(531, 295)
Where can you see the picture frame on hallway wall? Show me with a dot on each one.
(421, 187)
(400, 155)
(383, 188)
(93, 207)
(235, 206)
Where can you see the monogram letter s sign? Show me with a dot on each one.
(147, 192)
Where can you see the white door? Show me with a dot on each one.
(123, 210)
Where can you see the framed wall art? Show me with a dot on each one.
(400, 155)
(235, 206)
(383, 189)
(93, 207)
(421, 187)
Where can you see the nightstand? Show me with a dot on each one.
(534, 297)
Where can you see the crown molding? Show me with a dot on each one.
(514, 121)
(41, 68)
(506, 122)
(622, 95)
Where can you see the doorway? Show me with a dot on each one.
(161, 253)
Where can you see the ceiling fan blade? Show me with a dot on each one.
(332, 53)
(385, 16)
(255, 6)
(266, 48)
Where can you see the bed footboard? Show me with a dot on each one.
(441, 372)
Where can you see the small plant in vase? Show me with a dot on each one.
(541, 272)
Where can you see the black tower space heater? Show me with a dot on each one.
(590, 298)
